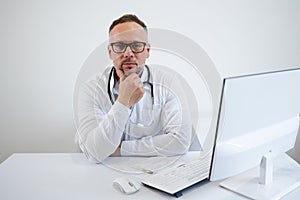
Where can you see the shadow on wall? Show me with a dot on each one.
(295, 152)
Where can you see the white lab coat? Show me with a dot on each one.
(162, 129)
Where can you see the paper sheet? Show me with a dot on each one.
(139, 165)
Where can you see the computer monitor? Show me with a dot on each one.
(258, 122)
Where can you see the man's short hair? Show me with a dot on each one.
(128, 18)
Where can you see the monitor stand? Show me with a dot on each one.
(258, 183)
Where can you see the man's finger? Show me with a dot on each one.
(120, 74)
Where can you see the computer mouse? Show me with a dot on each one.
(126, 185)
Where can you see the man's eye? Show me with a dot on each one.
(119, 46)
(136, 46)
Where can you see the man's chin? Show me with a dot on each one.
(136, 70)
(129, 69)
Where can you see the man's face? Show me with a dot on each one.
(126, 33)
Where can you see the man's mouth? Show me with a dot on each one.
(129, 64)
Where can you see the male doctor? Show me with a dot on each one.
(132, 109)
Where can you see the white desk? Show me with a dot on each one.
(71, 176)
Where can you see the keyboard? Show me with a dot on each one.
(179, 177)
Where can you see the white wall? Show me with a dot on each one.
(44, 43)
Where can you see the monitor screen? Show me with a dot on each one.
(259, 116)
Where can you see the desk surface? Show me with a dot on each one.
(71, 176)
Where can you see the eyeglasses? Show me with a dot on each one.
(120, 47)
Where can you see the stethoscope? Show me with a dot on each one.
(113, 73)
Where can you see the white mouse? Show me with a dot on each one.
(126, 185)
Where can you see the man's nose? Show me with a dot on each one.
(128, 52)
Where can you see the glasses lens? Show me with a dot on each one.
(137, 47)
(118, 47)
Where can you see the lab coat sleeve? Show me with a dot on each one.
(100, 125)
(176, 138)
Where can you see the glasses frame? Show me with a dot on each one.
(128, 45)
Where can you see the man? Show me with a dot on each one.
(131, 109)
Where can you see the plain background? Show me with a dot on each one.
(43, 45)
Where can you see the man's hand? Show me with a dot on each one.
(130, 89)
(136, 96)
(117, 152)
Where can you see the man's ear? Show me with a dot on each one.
(148, 50)
(109, 52)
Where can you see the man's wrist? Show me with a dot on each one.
(124, 102)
